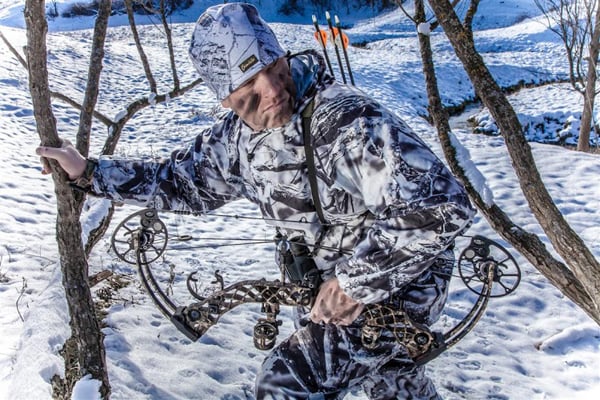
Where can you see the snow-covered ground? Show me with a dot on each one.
(532, 344)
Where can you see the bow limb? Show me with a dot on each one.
(195, 319)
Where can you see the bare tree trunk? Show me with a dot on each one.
(73, 256)
(567, 243)
(526, 243)
(84, 325)
(583, 143)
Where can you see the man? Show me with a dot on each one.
(380, 211)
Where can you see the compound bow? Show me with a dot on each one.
(484, 266)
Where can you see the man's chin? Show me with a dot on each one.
(279, 120)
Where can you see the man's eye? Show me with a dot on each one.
(276, 65)
(248, 84)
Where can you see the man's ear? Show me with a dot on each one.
(226, 103)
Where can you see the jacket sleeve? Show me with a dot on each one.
(198, 178)
(418, 207)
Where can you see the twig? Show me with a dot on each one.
(101, 117)
(19, 298)
(3, 277)
(99, 277)
(171, 279)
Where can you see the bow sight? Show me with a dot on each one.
(484, 266)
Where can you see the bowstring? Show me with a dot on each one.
(245, 241)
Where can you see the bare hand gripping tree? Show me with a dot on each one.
(580, 281)
(85, 330)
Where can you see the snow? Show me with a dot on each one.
(532, 344)
(87, 389)
(473, 174)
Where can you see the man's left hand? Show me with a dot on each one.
(333, 306)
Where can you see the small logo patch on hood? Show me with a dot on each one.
(248, 63)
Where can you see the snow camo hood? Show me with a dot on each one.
(231, 43)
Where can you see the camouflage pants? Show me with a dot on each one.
(324, 361)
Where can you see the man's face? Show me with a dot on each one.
(267, 99)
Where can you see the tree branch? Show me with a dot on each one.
(95, 68)
(101, 117)
(526, 243)
(138, 45)
(134, 107)
(568, 244)
(163, 18)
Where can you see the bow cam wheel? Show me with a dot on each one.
(475, 262)
(143, 229)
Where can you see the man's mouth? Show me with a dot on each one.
(277, 104)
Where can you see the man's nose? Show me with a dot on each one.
(271, 85)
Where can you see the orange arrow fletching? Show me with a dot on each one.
(323, 35)
(335, 33)
(345, 40)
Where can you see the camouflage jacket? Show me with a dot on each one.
(391, 205)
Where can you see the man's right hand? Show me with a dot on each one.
(334, 306)
(67, 156)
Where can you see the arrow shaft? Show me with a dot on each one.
(337, 50)
(322, 42)
(339, 29)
